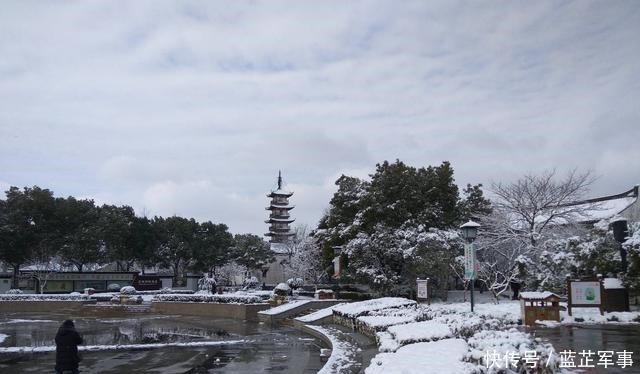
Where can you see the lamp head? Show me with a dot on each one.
(470, 230)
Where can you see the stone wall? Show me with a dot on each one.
(236, 311)
(43, 306)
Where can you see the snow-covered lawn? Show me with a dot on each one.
(419, 332)
(592, 315)
(442, 357)
(449, 338)
(378, 323)
(353, 310)
(443, 338)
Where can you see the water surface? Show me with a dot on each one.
(266, 350)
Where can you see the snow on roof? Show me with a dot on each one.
(593, 210)
(606, 209)
(280, 191)
(612, 283)
(363, 307)
(537, 295)
(288, 220)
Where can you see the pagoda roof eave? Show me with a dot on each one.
(276, 220)
(279, 234)
(280, 193)
(274, 206)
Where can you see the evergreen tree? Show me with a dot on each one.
(366, 218)
(28, 227)
(212, 247)
(81, 244)
(176, 240)
(115, 231)
(474, 205)
(252, 251)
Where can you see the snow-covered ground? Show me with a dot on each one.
(343, 352)
(442, 338)
(317, 315)
(592, 315)
(284, 307)
(442, 357)
(369, 306)
(449, 338)
(3, 337)
(17, 320)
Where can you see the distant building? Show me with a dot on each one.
(279, 216)
(280, 233)
(624, 204)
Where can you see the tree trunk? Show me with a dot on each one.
(16, 273)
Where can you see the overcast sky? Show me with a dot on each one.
(192, 107)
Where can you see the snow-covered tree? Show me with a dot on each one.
(390, 260)
(307, 263)
(518, 239)
(383, 222)
(536, 204)
(632, 246)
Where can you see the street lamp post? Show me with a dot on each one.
(469, 232)
(620, 233)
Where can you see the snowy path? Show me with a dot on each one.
(345, 355)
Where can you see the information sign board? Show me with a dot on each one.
(469, 261)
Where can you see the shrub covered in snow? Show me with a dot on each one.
(367, 307)
(114, 287)
(295, 283)
(251, 282)
(282, 289)
(205, 298)
(420, 332)
(43, 297)
(14, 291)
(128, 290)
(514, 343)
(165, 290)
(207, 284)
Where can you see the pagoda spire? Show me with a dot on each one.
(279, 217)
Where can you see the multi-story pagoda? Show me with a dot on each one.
(279, 218)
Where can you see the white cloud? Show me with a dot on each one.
(192, 107)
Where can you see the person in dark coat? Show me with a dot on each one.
(67, 340)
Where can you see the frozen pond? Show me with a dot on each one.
(609, 337)
(265, 349)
